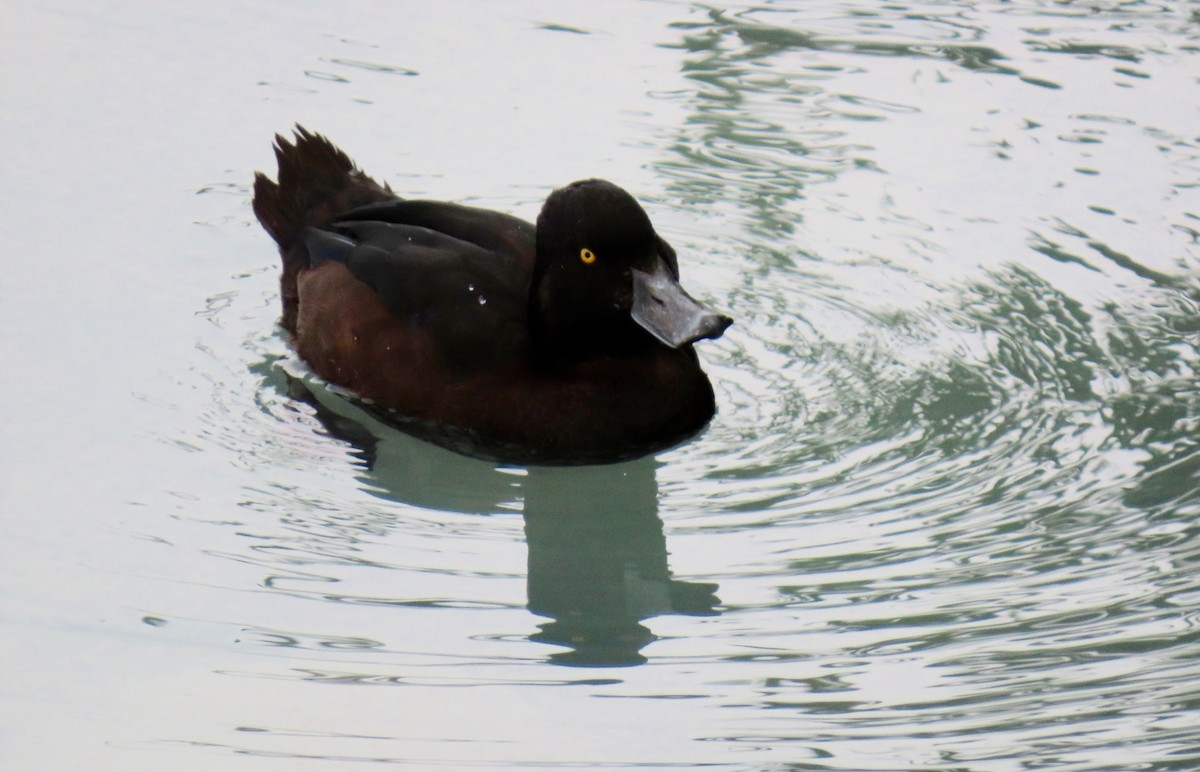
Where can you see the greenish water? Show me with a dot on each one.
(945, 519)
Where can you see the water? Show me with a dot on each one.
(946, 518)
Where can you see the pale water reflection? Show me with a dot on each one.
(946, 518)
(597, 562)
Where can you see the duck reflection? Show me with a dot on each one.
(597, 554)
(598, 563)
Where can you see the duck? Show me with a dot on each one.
(565, 342)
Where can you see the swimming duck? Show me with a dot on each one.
(565, 343)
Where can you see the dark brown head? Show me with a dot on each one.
(605, 282)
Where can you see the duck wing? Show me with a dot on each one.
(471, 300)
(493, 231)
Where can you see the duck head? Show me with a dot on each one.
(605, 282)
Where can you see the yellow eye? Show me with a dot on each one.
(587, 256)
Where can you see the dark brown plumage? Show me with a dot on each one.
(565, 343)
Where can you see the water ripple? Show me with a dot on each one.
(946, 516)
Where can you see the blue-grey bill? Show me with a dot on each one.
(661, 306)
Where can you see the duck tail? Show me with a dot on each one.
(317, 182)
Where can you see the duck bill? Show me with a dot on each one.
(668, 313)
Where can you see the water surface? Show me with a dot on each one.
(944, 520)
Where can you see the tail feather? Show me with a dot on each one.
(316, 182)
